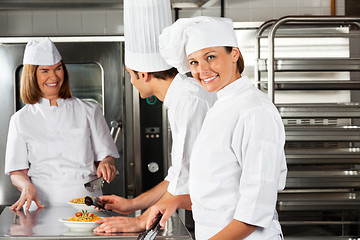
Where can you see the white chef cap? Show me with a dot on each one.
(143, 22)
(188, 35)
(41, 53)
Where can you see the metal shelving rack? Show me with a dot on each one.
(322, 194)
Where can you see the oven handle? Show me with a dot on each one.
(115, 125)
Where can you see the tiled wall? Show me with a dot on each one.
(61, 22)
(81, 22)
(263, 10)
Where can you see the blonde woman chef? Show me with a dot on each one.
(56, 141)
(237, 164)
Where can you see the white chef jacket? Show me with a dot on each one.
(238, 163)
(58, 144)
(187, 103)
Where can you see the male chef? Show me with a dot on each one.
(183, 97)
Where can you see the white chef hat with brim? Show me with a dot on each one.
(188, 35)
(43, 52)
(143, 22)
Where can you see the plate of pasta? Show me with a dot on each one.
(79, 204)
(82, 221)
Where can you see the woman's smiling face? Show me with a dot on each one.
(214, 67)
(50, 80)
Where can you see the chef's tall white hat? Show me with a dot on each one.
(43, 52)
(143, 22)
(188, 35)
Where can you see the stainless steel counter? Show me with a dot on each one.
(44, 224)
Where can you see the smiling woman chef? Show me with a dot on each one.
(241, 141)
(55, 141)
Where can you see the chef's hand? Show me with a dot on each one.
(120, 224)
(165, 207)
(28, 194)
(118, 204)
(107, 169)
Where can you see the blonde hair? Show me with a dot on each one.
(30, 92)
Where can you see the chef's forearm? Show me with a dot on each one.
(151, 196)
(183, 201)
(20, 179)
(235, 230)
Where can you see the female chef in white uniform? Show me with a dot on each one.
(56, 141)
(238, 164)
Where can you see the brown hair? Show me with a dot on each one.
(169, 73)
(240, 62)
(30, 92)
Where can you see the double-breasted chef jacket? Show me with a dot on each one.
(59, 145)
(238, 163)
(186, 102)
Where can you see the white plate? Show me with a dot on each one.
(79, 226)
(80, 207)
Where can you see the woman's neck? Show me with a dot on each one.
(53, 101)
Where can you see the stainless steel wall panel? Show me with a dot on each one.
(9, 55)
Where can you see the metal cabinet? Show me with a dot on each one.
(322, 194)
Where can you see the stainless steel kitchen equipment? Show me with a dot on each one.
(310, 64)
(44, 224)
(151, 142)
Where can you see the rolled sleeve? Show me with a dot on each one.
(189, 115)
(262, 156)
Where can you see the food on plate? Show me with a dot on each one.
(78, 200)
(81, 206)
(84, 216)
